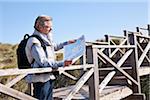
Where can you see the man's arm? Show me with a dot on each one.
(40, 57)
(61, 45)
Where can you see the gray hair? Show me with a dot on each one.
(40, 20)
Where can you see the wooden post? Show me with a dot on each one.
(137, 29)
(148, 28)
(135, 88)
(134, 65)
(94, 79)
(89, 53)
(135, 97)
(126, 35)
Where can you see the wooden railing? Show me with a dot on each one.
(118, 61)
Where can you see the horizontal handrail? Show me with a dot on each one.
(16, 71)
(113, 46)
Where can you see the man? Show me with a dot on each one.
(40, 58)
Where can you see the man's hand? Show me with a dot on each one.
(67, 63)
(72, 41)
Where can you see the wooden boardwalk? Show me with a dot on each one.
(114, 92)
(111, 70)
(119, 63)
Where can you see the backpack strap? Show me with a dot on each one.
(26, 36)
(41, 41)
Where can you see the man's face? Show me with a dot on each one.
(47, 27)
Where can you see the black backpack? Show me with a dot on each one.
(22, 60)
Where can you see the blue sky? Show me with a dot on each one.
(71, 19)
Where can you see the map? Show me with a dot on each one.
(75, 50)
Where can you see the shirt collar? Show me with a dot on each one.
(47, 38)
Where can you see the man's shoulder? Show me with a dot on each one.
(33, 40)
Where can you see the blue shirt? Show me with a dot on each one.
(42, 59)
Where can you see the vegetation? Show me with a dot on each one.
(145, 85)
(8, 60)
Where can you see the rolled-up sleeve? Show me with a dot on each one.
(39, 56)
(60, 46)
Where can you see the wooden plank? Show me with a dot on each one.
(142, 36)
(79, 84)
(116, 37)
(89, 53)
(111, 74)
(117, 67)
(89, 43)
(95, 91)
(15, 80)
(106, 80)
(113, 46)
(118, 73)
(117, 94)
(136, 88)
(91, 81)
(143, 55)
(16, 71)
(112, 68)
(124, 57)
(91, 88)
(58, 92)
(14, 93)
(112, 54)
(102, 59)
(143, 51)
(135, 96)
(69, 75)
(110, 92)
(115, 81)
(74, 67)
(144, 71)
